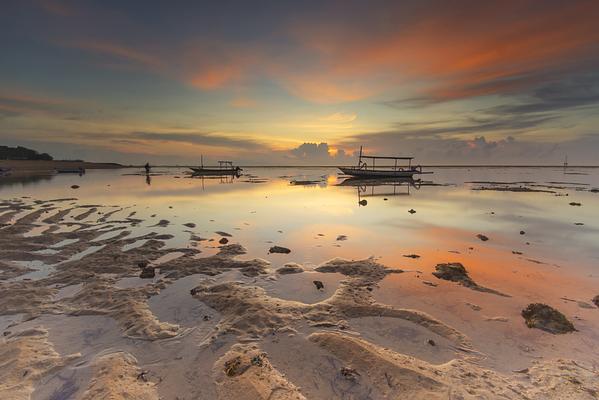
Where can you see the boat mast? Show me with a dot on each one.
(202, 160)
(360, 158)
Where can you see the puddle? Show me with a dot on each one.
(404, 337)
(42, 270)
(86, 252)
(300, 287)
(63, 243)
(68, 291)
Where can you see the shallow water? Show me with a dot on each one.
(540, 249)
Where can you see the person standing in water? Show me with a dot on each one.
(147, 167)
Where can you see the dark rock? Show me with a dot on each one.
(147, 273)
(522, 232)
(190, 225)
(290, 268)
(319, 285)
(341, 237)
(411, 255)
(519, 253)
(223, 241)
(547, 318)
(279, 249)
(142, 264)
(412, 211)
(257, 361)
(363, 202)
(349, 373)
(225, 234)
(456, 272)
(575, 204)
(579, 223)
(75, 187)
(207, 318)
(431, 342)
(596, 300)
(482, 237)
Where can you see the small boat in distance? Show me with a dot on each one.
(364, 170)
(224, 168)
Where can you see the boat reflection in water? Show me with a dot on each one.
(382, 187)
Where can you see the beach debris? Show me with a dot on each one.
(431, 342)
(579, 223)
(482, 237)
(429, 283)
(279, 249)
(519, 253)
(75, 187)
(474, 307)
(223, 240)
(319, 285)
(147, 272)
(412, 211)
(256, 361)
(341, 237)
(224, 234)
(363, 202)
(411, 256)
(234, 367)
(162, 223)
(385, 199)
(575, 204)
(547, 318)
(522, 232)
(456, 272)
(290, 268)
(596, 300)
(190, 225)
(349, 373)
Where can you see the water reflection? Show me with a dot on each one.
(381, 187)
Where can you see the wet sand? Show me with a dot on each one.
(216, 321)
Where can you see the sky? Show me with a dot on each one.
(302, 82)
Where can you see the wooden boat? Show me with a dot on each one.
(364, 170)
(224, 168)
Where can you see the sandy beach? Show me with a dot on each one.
(126, 299)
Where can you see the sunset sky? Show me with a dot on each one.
(449, 82)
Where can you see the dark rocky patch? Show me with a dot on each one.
(547, 318)
(279, 249)
(482, 237)
(456, 272)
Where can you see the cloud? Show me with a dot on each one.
(196, 138)
(340, 117)
(333, 53)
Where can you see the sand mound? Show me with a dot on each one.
(386, 374)
(25, 358)
(117, 376)
(244, 373)
(128, 307)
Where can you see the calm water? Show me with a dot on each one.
(262, 208)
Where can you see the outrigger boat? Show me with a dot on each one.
(224, 168)
(364, 170)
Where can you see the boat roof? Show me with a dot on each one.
(389, 158)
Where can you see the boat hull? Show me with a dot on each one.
(377, 173)
(214, 171)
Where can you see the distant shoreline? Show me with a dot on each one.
(43, 166)
(336, 166)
